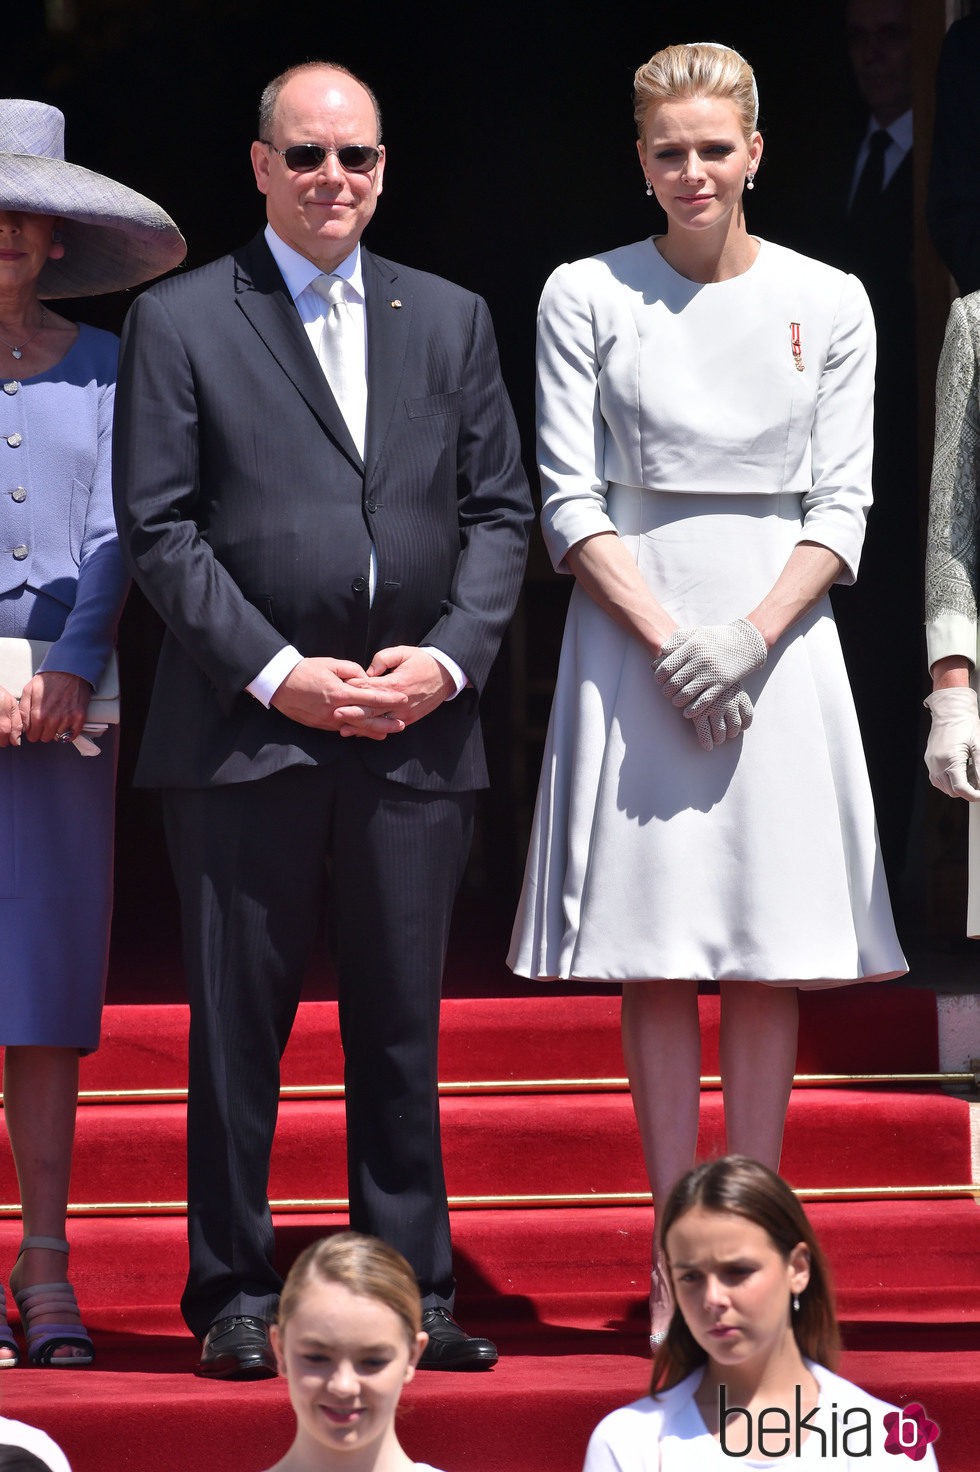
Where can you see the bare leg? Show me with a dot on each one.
(40, 1093)
(758, 1056)
(662, 1049)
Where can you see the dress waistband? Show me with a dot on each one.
(640, 504)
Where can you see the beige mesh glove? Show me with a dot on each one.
(729, 717)
(701, 671)
(953, 748)
(696, 667)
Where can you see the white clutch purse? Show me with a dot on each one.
(20, 660)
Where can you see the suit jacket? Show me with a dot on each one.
(248, 516)
(61, 575)
(953, 203)
(878, 250)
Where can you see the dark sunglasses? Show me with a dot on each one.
(302, 158)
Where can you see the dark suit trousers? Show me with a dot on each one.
(255, 863)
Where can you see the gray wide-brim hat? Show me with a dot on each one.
(113, 237)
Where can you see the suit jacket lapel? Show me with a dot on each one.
(389, 318)
(261, 294)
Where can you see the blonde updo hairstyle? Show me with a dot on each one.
(700, 69)
(363, 1265)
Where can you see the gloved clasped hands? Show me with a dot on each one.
(953, 748)
(702, 670)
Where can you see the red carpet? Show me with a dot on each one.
(544, 1036)
(561, 1287)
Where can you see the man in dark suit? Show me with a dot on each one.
(953, 205)
(880, 618)
(318, 483)
(864, 224)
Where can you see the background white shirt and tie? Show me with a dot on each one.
(899, 143)
(332, 310)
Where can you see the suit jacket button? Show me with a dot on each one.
(372, 506)
(18, 494)
(21, 552)
(358, 585)
(13, 440)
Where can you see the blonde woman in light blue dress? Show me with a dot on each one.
(704, 813)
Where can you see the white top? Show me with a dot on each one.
(628, 383)
(667, 1434)
(32, 1439)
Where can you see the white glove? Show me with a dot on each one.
(697, 667)
(953, 748)
(724, 721)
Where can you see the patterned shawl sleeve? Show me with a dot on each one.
(954, 502)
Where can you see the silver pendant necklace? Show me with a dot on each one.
(18, 351)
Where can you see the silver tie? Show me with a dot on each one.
(338, 326)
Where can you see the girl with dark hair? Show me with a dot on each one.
(747, 1369)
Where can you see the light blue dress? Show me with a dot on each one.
(62, 579)
(711, 427)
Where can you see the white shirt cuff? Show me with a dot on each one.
(458, 677)
(951, 633)
(268, 680)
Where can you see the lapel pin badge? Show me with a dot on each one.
(395, 303)
(796, 345)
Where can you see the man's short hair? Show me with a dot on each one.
(270, 96)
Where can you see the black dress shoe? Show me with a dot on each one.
(237, 1348)
(450, 1347)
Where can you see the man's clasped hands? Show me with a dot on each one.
(400, 686)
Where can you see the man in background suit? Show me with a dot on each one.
(867, 229)
(318, 483)
(953, 205)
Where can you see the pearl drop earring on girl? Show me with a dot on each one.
(649, 189)
(750, 181)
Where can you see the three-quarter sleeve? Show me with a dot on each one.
(570, 427)
(954, 504)
(842, 437)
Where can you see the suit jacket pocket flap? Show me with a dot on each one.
(432, 404)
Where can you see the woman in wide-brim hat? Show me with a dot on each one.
(64, 232)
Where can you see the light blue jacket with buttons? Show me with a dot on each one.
(61, 575)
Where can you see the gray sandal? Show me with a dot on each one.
(45, 1301)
